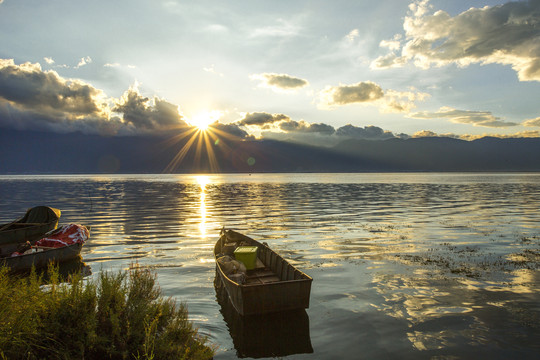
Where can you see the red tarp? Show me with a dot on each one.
(65, 235)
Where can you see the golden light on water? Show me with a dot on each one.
(203, 181)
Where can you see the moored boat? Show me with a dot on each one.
(272, 285)
(277, 334)
(33, 225)
(60, 245)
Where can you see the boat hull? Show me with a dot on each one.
(31, 227)
(275, 334)
(43, 258)
(291, 292)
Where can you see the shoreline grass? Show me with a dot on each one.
(117, 316)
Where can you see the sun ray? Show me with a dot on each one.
(181, 154)
(176, 138)
(214, 166)
(198, 148)
(200, 141)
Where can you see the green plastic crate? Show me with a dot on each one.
(247, 255)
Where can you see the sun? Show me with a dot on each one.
(203, 119)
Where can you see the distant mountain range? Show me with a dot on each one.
(32, 152)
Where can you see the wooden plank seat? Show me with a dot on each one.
(261, 276)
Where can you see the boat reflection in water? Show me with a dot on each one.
(66, 269)
(268, 335)
(74, 266)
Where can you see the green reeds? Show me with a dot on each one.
(118, 316)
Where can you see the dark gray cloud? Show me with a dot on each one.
(144, 114)
(231, 129)
(369, 132)
(31, 98)
(24, 119)
(282, 127)
(505, 34)
(305, 127)
(326, 135)
(261, 119)
(266, 121)
(27, 87)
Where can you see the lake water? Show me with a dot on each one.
(410, 266)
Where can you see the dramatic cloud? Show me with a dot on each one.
(31, 98)
(476, 118)
(369, 132)
(326, 135)
(532, 122)
(305, 127)
(262, 119)
(283, 123)
(369, 93)
(506, 34)
(142, 113)
(281, 127)
(27, 87)
(232, 129)
(280, 82)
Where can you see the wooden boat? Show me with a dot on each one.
(60, 245)
(273, 285)
(273, 335)
(33, 225)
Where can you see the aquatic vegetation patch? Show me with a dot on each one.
(118, 316)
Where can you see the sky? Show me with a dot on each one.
(308, 70)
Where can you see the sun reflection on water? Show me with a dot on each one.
(202, 180)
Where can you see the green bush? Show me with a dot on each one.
(118, 316)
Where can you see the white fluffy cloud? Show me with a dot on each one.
(84, 61)
(476, 118)
(504, 34)
(362, 92)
